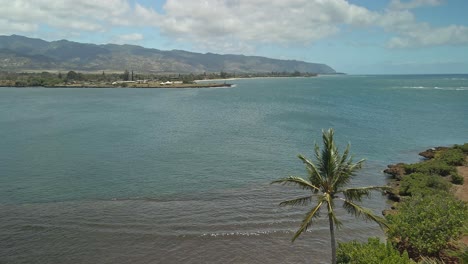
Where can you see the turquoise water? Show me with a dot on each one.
(182, 175)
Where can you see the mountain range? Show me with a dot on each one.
(19, 53)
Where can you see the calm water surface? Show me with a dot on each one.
(182, 175)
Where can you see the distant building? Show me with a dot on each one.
(120, 82)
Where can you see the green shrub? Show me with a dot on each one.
(425, 224)
(463, 147)
(460, 253)
(433, 166)
(418, 183)
(370, 253)
(457, 179)
(453, 157)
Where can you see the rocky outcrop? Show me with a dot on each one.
(396, 170)
(430, 153)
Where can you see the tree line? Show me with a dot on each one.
(57, 78)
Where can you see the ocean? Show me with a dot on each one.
(183, 175)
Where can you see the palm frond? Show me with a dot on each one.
(346, 171)
(328, 174)
(344, 157)
(314, 173)
(307, 221)
(356, 194)
(352, 167)
(298, 201)
(328, 154)
(317, 154)
(304, 184)
(364, 213)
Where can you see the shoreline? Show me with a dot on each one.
(450, 176)
(265, 77)
(132, 86)
(397, 172)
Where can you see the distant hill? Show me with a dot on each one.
(18, 53)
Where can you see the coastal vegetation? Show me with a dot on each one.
(125, 79)
(326, 183)
(425, 223)
(427, 218)
(371, 252)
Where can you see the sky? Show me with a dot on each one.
(355, 36)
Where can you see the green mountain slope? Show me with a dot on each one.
(18, 53)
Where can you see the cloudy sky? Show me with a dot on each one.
(358, 37)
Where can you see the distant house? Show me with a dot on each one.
(120, 82)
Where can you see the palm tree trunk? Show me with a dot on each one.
(332, 236)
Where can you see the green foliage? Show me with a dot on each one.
(457, 179)
(79, 79)
(72, 75)
(425, 224)
(126, 75)
(21, 83)
(463, 148)
(433, 166)
(422, 184)
(223, 75)
(453, 157)
(327, 179)
(371, 252)
(460, 253)
(463, 255)
(188, 78)
(49, 79)
(296, 73)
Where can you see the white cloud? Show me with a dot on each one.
(146, 16)
(246, 22)
(231, 25)
(212, 23)
(413, 34)
(84, 15)
(427, 36)
(8, 27)
(398, 5)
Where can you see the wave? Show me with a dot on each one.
(240, 233)
(461, 88)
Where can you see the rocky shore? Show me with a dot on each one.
(443, 173)
(398, 171)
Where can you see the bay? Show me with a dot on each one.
(182, 175)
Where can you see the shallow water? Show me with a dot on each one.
(182, 175)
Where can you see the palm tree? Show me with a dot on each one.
(327, 179)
